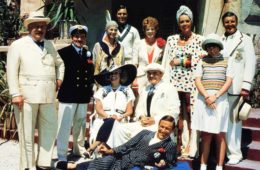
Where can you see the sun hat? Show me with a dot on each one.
(154, 66)
(35, 16)
(212, 39)
(127, 75)
(79, 28)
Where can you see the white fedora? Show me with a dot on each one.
(242, 109)
(36, 16)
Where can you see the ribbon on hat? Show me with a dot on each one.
(184, 10)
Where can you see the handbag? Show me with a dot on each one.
(244, 108)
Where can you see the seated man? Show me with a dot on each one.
(146, 148)
(155, 101)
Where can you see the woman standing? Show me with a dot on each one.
(182, 53)
(213, 78)
(108, 51)
(113, 101)
(149, 50)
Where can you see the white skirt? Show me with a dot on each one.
(211, 120)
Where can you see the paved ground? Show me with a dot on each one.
(9, 155)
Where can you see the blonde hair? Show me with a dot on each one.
(150, 21)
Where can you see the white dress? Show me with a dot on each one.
(204, 118)
(113, 102)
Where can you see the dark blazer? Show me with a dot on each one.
(78, 78)
(136, 152)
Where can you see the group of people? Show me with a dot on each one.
(189, 78)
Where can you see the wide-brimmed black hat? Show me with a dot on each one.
(127, 75)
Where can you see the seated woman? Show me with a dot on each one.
(113, 101)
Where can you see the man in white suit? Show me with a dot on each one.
(156, 100)
(240, 48)
(34, 72)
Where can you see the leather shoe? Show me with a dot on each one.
(62, 165)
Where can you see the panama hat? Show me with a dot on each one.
(154, 66)
(35, 16)
(127, 75)
(212, 39)
(244, 108)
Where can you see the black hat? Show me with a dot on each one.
(127, 75)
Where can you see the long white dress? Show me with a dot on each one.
(113, 102)
(206, 119)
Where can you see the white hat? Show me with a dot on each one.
(154, 66)
(184, 10)
(212, 39)
(79, 27)
(242, 109)
(110, 24)
(36, 16)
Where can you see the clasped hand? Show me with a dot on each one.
(210, 101)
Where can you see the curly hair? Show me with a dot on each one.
(150, 21)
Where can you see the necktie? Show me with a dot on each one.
(80, 52)
(40, 44)
(149, 100)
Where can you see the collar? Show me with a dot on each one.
(33, 39)
(232, 36)
(77, 48)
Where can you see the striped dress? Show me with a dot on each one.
(213, 73)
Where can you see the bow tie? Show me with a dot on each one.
(40, 43)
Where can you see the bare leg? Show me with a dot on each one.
(221, 148)
(206, 140)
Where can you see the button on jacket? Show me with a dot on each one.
(78, 78)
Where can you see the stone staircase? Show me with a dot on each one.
(250, 143)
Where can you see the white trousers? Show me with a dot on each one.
(233, 135)
(122, 132)
(71, 114)
(46, 117)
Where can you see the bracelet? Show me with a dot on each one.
(181, 62)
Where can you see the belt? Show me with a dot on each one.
(41, 78)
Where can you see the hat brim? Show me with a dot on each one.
(127, 75)
(28, 21)
(212, 41)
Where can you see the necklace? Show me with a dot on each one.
(185, 37)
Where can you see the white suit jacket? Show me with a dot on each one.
(165, 101)
(140, 57)
(243, 60)
(32, 72)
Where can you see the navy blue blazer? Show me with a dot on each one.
(78, 77)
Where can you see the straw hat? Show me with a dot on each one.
(36, 16)
(242, 109)
(127, 75)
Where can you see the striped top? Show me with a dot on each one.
(214, 72)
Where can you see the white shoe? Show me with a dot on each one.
(233, 161)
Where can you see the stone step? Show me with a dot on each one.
(244, 165)
(252, 151)
(253, 119)
(250, 134)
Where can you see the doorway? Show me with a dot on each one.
(163, 10)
